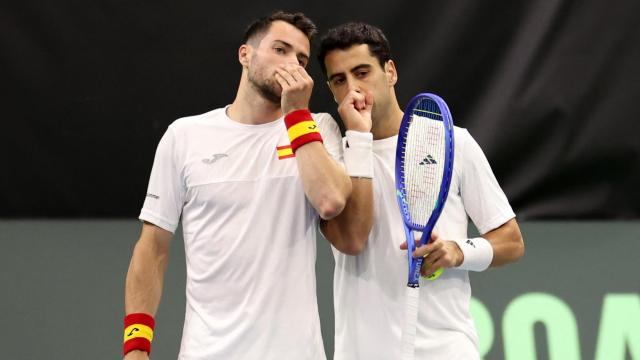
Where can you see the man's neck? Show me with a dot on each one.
(388, 123)
(249, 107)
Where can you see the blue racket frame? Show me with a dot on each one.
(409, 226)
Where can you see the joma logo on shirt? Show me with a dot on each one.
(214, 158)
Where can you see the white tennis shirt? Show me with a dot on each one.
(249, 235)
(369, 289)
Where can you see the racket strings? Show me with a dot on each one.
(424, 161)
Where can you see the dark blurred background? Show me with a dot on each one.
(548, 88)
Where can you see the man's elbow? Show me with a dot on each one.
(516, 241)
(353, 247)
(356, 239)
(518, 249)
(330, 207)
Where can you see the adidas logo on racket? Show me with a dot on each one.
(428, 161)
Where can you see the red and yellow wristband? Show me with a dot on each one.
(301, 128)
(138, 332)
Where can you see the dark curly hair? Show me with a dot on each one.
(355, 33)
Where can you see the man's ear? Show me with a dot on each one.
(244, 54)
(391, 72)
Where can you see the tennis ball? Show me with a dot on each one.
(435, 275)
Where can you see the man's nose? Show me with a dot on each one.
(292, 59)
(353, 85)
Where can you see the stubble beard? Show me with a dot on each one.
(268, 89)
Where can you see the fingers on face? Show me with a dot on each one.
(304, 75)
(352, 97)
(281, 81)
(295, 75)
(284, 78)
(359, 99)
(368, 98)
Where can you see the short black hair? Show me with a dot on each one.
(355, 33)
(259, 27)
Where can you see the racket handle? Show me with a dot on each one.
(410, 323)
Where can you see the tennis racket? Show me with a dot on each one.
(424, 165)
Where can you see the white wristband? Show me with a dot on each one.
(478, 253)
(358, 154)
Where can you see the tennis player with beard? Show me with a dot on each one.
(250, 181)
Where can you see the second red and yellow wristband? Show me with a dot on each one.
(138, 332)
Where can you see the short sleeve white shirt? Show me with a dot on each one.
(249, 235)
(369, 289)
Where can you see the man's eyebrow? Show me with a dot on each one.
(283, 43)
(354, 69)
(290, 47)
(360, 67)
(335, 75)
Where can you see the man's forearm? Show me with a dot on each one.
(325, 183)
(349, 231)
(143, 287)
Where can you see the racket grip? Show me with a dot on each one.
(410, 323)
